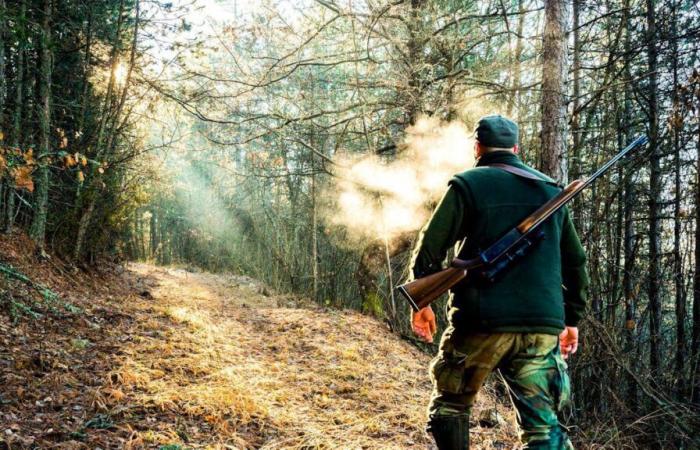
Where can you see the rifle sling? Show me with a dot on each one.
(466, 263)
(521, 173)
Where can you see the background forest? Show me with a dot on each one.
(304, 143)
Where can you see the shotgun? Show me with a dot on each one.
(490, 264)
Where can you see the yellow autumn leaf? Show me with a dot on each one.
(83, 161)
(69, 160)
(81, 176)
(2, 135)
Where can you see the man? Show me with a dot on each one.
(516, 323)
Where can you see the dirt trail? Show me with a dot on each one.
(184, 359)
(266, 374)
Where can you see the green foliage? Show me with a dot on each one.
(373, 305)
(171, 447)
(50, 298)
(99, 422)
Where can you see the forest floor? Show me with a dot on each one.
(168, 358)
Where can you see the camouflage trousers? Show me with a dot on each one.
(532, 366)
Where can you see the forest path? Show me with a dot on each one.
(262, 372)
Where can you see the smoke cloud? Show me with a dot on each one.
(379, 198)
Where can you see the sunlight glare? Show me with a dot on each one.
(120, 73)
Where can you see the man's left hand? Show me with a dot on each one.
(568, 341)
(423, 324)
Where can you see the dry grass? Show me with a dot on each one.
(295, 378)
(166, 357)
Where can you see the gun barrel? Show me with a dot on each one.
(641, 140)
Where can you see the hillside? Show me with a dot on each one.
(149, 357)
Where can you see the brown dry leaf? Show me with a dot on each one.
(23, 177)
(115, 394)
(29, 156)
(3, 163)
(63, 143)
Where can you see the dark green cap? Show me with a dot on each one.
(496, 131)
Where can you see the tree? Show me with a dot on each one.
(553, 90)
(38, 229)
(654, 194)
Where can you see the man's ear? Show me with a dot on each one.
(516, 149)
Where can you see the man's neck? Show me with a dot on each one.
(497, 156)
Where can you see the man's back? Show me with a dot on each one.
(529, 297)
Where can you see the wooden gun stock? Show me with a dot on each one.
(423, 291)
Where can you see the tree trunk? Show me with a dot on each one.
(654, 198)
(6, 192)
(38, 228)
(575, 116)
(679, 278)
(629, 244)
(86, 74)
(314, 231)
(415, 56)
(553, 135)
(3, 81)
(17, 113)
(153, 229)
(695, 376)
(514, 97)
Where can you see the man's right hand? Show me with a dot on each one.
(423, 324)
(568, 341)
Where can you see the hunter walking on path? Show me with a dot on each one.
(515, 324)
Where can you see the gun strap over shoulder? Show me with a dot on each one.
(521, 173)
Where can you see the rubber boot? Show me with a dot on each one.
(450, 432)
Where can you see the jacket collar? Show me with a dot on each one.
(499, 157)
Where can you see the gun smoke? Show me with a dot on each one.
(379, 197)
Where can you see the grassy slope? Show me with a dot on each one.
(164, 357)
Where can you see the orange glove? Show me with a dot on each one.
(423, 324)
(568, 341)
